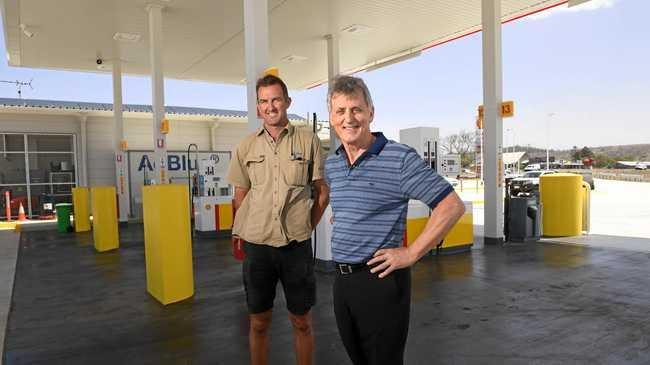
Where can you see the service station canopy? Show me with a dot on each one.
(204, 40)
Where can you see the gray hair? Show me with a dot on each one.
(348, 85)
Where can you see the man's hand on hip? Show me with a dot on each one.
(391, 259)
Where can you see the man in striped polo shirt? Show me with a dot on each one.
(371, 180)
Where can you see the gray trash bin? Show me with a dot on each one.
(524, 219)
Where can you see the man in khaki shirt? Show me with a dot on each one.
(274, 171)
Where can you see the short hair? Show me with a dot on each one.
(269, 80)
(348, 85)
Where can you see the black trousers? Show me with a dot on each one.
(372, 315)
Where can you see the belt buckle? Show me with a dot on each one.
(345, 269)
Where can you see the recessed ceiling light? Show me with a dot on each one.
(127, 37)
(294, 58)
(356, 29)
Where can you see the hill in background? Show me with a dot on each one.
(631, 152)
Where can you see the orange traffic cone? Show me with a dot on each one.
(21, 213)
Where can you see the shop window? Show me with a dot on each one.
(12, 143)
(12, 168)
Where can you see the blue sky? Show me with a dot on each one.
(588, 67)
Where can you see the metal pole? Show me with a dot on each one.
(493, 122)
(256, 54)
(158, 92)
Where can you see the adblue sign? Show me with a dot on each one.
(175, 162)
(142, 163)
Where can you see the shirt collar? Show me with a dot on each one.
(375, 148)
(289, 128)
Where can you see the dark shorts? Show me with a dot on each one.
(292, 265)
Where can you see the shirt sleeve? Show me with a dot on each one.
(420, 182)
(318, 160)
(237, 172)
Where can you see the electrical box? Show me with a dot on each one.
(450, 165)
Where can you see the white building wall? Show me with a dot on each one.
(138, 132)
(38, 123)
(228, 135)
(101, 168)
(44, 123)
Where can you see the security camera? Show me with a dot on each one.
(100, 61)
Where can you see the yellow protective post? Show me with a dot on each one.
(462, 233)
(561, 196)
(168, 247)
(224, 217)
(417, 216)
(80, 201)
(105, 233)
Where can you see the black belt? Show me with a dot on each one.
(345, 269)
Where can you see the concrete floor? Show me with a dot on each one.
(8, 254)
(621, 208)
(519, 304)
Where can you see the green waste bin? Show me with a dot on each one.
(63, 211)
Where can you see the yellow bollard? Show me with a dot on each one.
(224, 217)
(167, 242)
(462, 233)
(105, 233)
(80, 200)
(561, 198)
(459, 238)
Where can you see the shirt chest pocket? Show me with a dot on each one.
(256, 167)
(296, 172)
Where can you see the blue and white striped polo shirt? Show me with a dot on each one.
(370, 198)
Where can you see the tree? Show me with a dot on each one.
(601, 160)
(585, 152)
(575, 154)
(462, 144)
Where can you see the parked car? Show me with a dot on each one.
(528, 183)
(533, 167)
(640, 166)
(587, 175)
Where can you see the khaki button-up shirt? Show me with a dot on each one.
(278, 174)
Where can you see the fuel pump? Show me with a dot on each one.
(213, 199)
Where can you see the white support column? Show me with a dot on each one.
(158, 92)
(256, 40)
(121, 171)
(332, 71)
(322, 236)
(493, 123)
(83, 160)
(213, 135)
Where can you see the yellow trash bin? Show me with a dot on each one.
(167, 242)
(105, 232)
(81, 200)
(562, 198)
